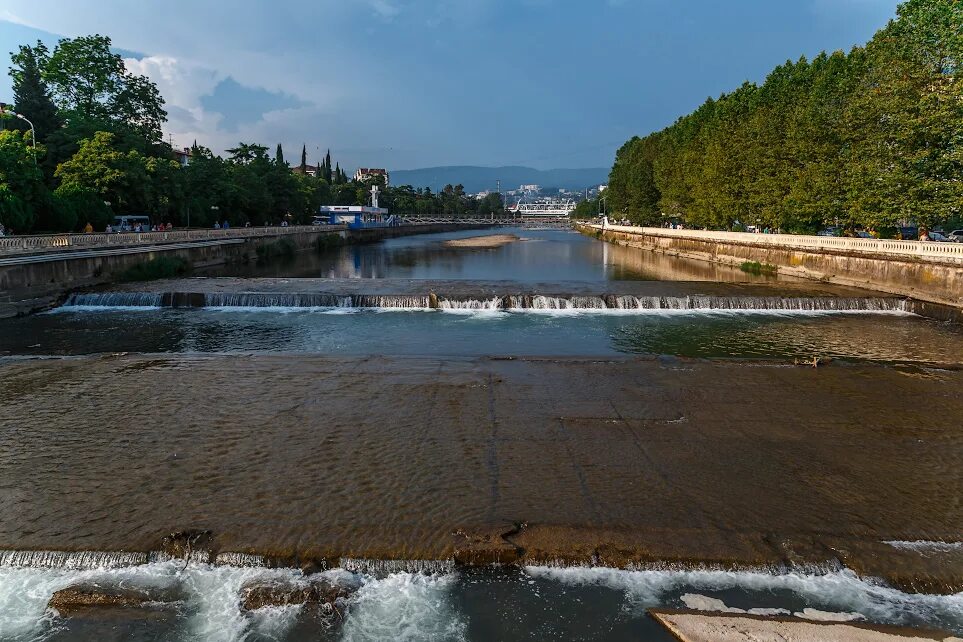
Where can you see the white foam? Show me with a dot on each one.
(405, 607)
(923, 546)
(212, 595)
(840, 590)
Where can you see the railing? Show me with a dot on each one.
(918, 249)
(45, 242)
(449, 220)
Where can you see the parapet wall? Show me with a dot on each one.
(929, 272)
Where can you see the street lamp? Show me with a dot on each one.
(33, 132)
(33, 135)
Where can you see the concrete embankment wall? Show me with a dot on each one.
(927, 280)
(27, 287)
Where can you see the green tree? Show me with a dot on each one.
(25, 198)
(119, 177)
(30, 92)
(89, 82)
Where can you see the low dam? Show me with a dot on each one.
(923, 270)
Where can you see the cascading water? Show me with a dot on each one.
(512, 302)
(116, 300)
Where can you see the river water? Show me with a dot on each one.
(429, 601)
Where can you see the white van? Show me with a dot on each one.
(127, 223)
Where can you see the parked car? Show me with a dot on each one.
(830, 231)
(941, 238)
(863, 234)
(956, 235)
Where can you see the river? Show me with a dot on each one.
(619, 429)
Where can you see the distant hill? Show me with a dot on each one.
(477, 179)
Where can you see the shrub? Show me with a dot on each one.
(755, 267)
(280, 249)
(163, 267)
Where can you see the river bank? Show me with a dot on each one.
(487, 460)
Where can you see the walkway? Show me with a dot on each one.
(928, 250)
(19, 245)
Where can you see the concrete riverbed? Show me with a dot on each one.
(622, 462)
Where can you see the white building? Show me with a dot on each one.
(366, 173)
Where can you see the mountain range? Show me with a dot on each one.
(478, 179)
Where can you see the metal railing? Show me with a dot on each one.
(53, 242)
(906, 249)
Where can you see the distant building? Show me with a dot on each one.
(602, 188)
(309, 170)
(367, 173)
(533, 189)
(354, 216)
(183, 156)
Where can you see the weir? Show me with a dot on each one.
(508, 302)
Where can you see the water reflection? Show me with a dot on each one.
(540, 255)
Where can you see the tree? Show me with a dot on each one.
(90, 83)
(279, 156)
(304, 159)
(25, 198)
(121, 178)
(30, 92)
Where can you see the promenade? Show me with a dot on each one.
(924, 270)
(12, 246)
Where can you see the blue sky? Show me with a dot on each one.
(415, 83)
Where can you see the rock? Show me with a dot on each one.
(82, 597)
(314, 592)
(186, 544)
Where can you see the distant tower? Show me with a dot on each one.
(374, 196)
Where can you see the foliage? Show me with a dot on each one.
(872, 138)
(101, 152)
(280, 249)
(162, 267)
(757, 268)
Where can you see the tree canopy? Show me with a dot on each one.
(870, 138)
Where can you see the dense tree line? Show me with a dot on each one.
(872, 138)
(99, 152)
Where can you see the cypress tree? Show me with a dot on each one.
(31, 94)
(327, 166)
(279, 155)
(304, 159)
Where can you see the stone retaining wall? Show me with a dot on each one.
(926, 278)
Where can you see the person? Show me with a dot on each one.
(284, 223)
(2, 230)
(109, 229)
(88, 228)
(247, 223)
(226, 225)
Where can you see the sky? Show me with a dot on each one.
(405, 84)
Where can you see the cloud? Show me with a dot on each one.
(384, 9)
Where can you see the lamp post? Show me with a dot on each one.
(33, 135)
(5, 109)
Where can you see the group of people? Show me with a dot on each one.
(137, 227)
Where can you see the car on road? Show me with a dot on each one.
(863, 234)
(940, 238)
(830, 231)
(956, 235)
